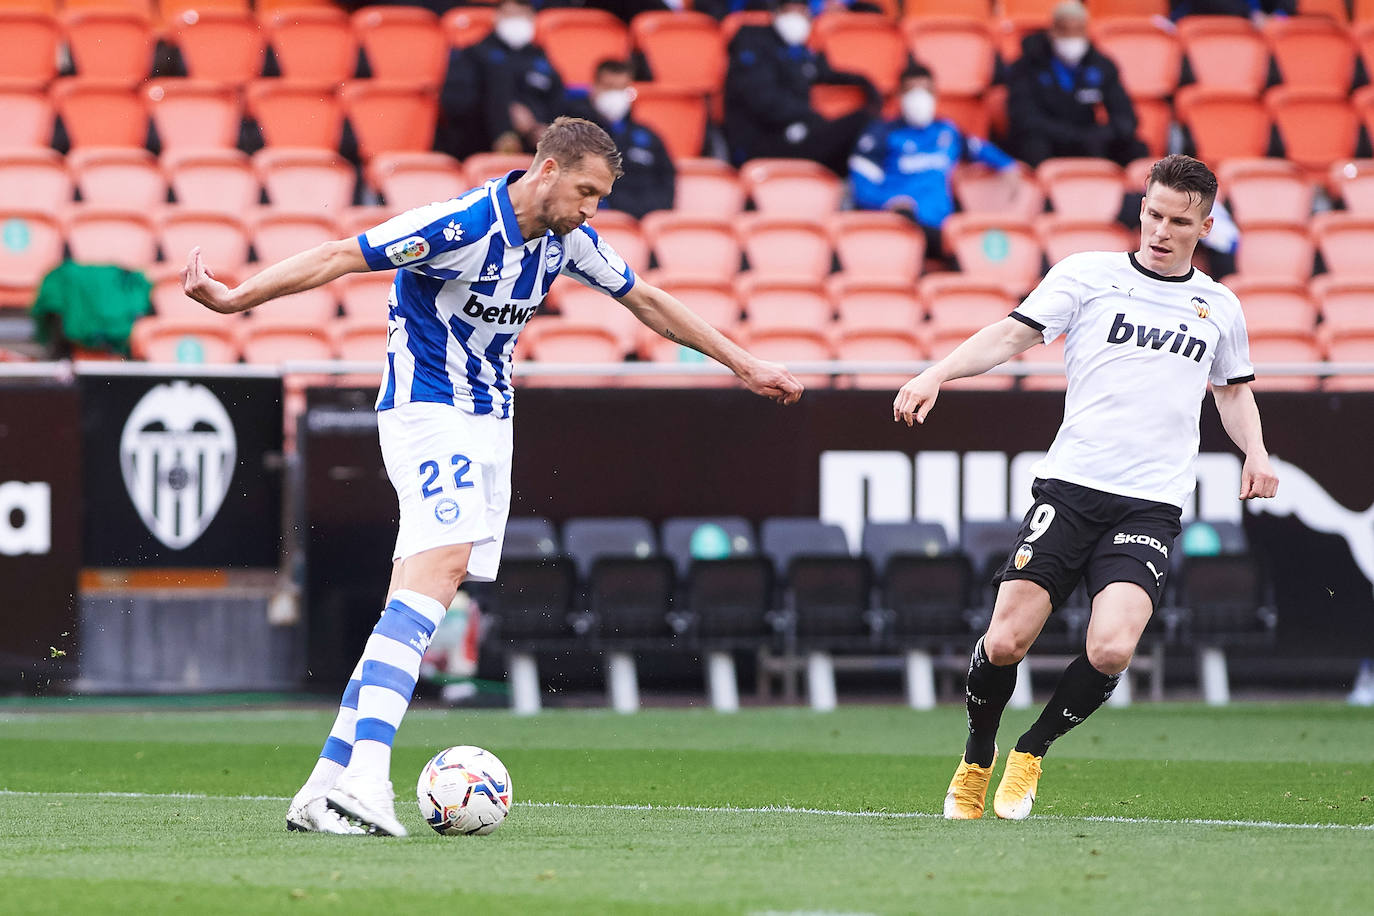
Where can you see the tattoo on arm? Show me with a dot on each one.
(668, 333)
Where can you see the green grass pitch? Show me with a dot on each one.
(1151, 809)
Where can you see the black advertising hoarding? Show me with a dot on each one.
(181, 471)
(40, 535)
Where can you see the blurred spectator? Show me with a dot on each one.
(1065, 97)
(721, 8)
(647, 184)
(1255, 10)
(500, 93)
(623, 9)
(905, 164)
(88, 309)
(768, 94)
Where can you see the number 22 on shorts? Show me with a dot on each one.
(430, 486)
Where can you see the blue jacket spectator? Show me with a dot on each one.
(649, 179)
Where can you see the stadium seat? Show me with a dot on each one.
(1347, 305)
(110, 43)
(1086, 189)
(1278, 305)
(828, 590)
(581, 305)
(707, 187)
(1344, 240)
(569, 342)
(731, 23)
(1126, 9)
(403, 44)
(1154, 121)
(1318, 126)
(208, 340)
(1284, 347)
(272, 344)
(194, 114)
(658, 350)
(314, 308)
(998, 248)
(1138, 173)
(118, 177)
(464, 26)
(1224, 123)
(678, 534)
(979, 189)
(173, 9)
(294, 114)
(878, 245)
(222, 239)
(1148, 55)
(792, 187)
(1272, 189)
(1049, 358)
(1312, 52)
(785, 538)
(390, 117)
(884, 540)
(1011, 28)
(788, 345)
(683, 49)
(692, 244)
(677, 115)
(987, 542)
(621, 231)
(482, 167)
(220, 45)
(835, 100)
(168, 297)
(362, 340)
(314, 43)
(784, 302)
(1063, 235)
(961, 53)
(27, 114)
(1351, 347)
(30, 246)
(35, 179)
(1225, 52)
(219, 180)
(869, 44)
(100, 112)
(409, 180)
(880, 346)
(967, 9)
(1335, 10)
(28, 45)
(101, 235)
(365, 295)
(1270, 248)
(278, 235)
(305, 180)
(577, 39)
(588, 540)
(785, 246)
(960, 304)
(1352, 183)
(710, 295)
(360, 219)
(865, 304)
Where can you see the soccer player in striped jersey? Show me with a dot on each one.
(472, 272)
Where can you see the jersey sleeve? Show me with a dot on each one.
(427, 239)
(1053, 303)
(594, 263)
(1232, 365)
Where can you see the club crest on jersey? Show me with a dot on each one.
(177, 453)
(1023, 556)
(553, 256)
(407, 250)
(1201, 307)
(446, 511)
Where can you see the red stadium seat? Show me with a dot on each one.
(482, 167)
(1352, 183)
(1224, 123)
(710, 296)
(972, 114)
(294, 114)
(273, 344)
(365, 295)
(621, 231)
(100, 112)
(1270, 248)
(557, 341)
(960, 305)
(118, 177)
(212, 340)
(792, 187)
(1335, 10)
(194, 114)
(1354, 348)
(403, 44)
(677, 115)
(1265, 189)
(101, 235)
(1086, 189)
(1345, 241)
(390, 117)
(1318, 126)
(1063, 235)
(967, 9)
(34, 179)
(1154, 120)
(277, 236)
(222, 239)
(1148, 56)
(409, 180)
(314, 43)
(1284, 347)
(684, 49)
(962, 53)
(865, 304)
(27, 115)
(878, 245)
(168, 298)
(1225, 52)
(582, 305)
(708, 187)
(361, 339)
(1279, 305)
(794, 346)
(1121, 9)
(577, 39)
(212, 180)
(220, 45)
(32, 247)
(835, 100)
(784, 246)
(869, 44)
(1347, 304)
(110, 43)
(28, 45)
(306, 180)
(782, 302)
(1312, 52)
(464, 26)
(317, 308)
(880, 346)
(979, 189)
(997, 248)
(684, 243)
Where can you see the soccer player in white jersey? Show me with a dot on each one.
(1145, 334)
(472, 272)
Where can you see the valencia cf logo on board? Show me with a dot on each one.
(1201, 307)
(1023, 555)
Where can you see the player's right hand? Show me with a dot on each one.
(199, 283)
(915, 398)
(772, 380)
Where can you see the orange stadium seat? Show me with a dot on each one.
(711, 296)
(222, 239)
(621, 231)
(960, 304)
(1010, 30)
(968, 9)
(118, 177)
(1275, 249)
(794, 345)
(1148, 55)
(1354, 348)
(482, 167)
(1040, 9)
(1318, 127)
(390, 117)
(792, 187)
(863, 303)
(168, 299)
(27, 114)
(579, 304)
(1345, 241)
(1045, 357)
(409, 180)
(1283, 347)
(998, 248)
(110, 43)
(315, 308)
(1335, 10)
(295, 114)
(784, 302)
(683, 49)
(880, 346)
(194, 114)
(1065, 234)
(1086, 189)
(220, 180)
(220, 45)
(1347, 304)
(1275, 305)
(834, 100)
(941, 342)
(314, 43)
(102, 235)
(677, 115)
(1225, 52)
(173, 9)
(361, 339)
(1312, 52)
(28, 45)
(1224, 123)
(577, 39)
(402, 44)
(274, 344)
(684, 243)
(1154, 119)
(464, 26)
(35, 179)
(365, 295)
(146, 8)
(32, 246)
(1119, 9)
(979, 189)
(100, 112)
(785, 246)
(707, 187)
(865, 43)
(878, 245)
(558, 341)
(1352, 182)
(1265, 189)
(211, 339)
(277, 236)
(1363, 35)
(1138, 173)
(656, 349)
(310, 180)
(962, 53)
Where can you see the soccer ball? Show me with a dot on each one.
(464, 791)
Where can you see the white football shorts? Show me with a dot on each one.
(451, 471)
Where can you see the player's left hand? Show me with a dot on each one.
(1258, 478)
(772, 380)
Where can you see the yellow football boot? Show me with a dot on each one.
(1016, 791)
(968, 790)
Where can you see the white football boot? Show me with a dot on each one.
(315, 816)
(369, 802)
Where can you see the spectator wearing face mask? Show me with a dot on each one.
(768, 84)
(500, 93)
(649, 175)
(904, 165)
(1065, 98)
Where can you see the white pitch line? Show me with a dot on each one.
(762, 809)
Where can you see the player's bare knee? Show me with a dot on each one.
(1112, 655)
(1003, 646)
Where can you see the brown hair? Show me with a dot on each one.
(1184, 173)
(567, 140)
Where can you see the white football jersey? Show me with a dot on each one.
(1139, 350)
(468, 283)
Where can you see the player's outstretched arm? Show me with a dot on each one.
(662, 313)
(992, 346)
(306, 270)
(1241, 419)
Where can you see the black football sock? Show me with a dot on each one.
(989, 689)
(1081, 690)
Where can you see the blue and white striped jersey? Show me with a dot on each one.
(468, 282)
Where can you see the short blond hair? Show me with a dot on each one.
(567, 140)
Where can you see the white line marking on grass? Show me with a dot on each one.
(762, 809)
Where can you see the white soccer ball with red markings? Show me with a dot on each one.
(464, 791)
